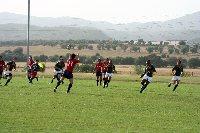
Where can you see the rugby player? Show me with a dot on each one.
(68, 73)
(2, 66)
(30, 63)
(98, 68)
(147, 76)
(8, 72)
(34, 69)
(110, 69)
(104, 68)
(58, 69)
(177, 70)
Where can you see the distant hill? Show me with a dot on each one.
(186, 27)
(19, 32)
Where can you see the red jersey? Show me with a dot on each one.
(2, 65)
(30, 62)
(71, 64)
(105, 64)
(99, 66)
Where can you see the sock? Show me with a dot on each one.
(169, 84)
(69, 87)
(175, 87)
(7, 81)
(142, 83)
(105, 82)
(97, 82)
(52, 80)
(100, 82)
(58, 83)
(31, 79)
(143, 88)
(36, 78)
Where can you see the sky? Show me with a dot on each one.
(114, 11)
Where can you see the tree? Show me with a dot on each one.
(182, 43)
(149, 49)
(170, 50)
(185, 49)
(194, 62)
(18, 51)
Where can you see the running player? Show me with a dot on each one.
(58, 71)
(2, 66)
(8, 72)
(34, 69)
(110, 69)
(176, 71)
(68, 73)
(104, 69)
(30, 63)
(147, 76)
(98, 68)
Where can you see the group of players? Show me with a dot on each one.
(104, 71)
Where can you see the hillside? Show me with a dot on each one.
(186, 27)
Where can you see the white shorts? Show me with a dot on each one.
(147, 78)
(58, 72)
(7, 73)
(175, 78)
(109, 74)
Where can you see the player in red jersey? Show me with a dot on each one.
(30, 63)
(70, 64)
(98, 68)
(104, 69)
(2, 66)
(34, 69)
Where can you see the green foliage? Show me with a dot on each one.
(139, 69)
(149, 49)
(85, 68)
(194, 62)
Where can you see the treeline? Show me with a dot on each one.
(158, 61)
(125, 46)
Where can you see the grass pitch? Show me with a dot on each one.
(90, 108)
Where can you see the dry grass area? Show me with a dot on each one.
(50, 51)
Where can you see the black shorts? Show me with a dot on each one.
(98, 73)
(67, 74)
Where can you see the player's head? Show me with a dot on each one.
(178, 62)
(73, 56)
(148, 62)
(60, 59)
(99, 60)
(110, 61)
(30, 57)
(36, 61)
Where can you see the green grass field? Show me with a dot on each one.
(88, 108)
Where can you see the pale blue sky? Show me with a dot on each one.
(115, 11)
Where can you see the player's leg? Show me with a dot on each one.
(58, 83)
(145, 83)
(176, 85)
(1, 72)
(109, 79)
(100, 79)
(9, 79)
(97, 79)
(70, 85)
